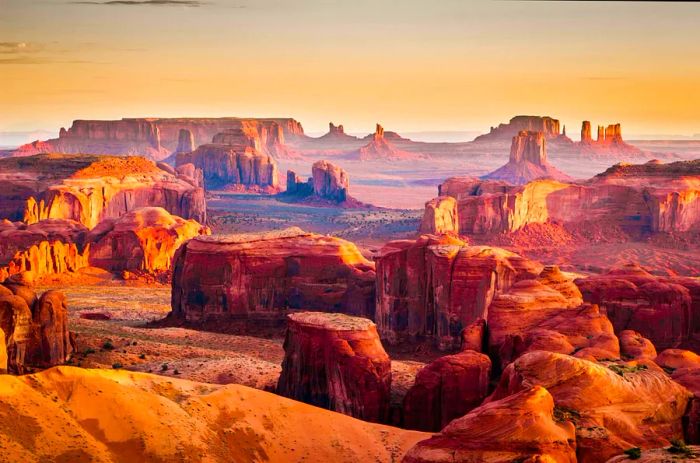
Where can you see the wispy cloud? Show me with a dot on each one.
(13, 48)
(603, 78)
(190, 3)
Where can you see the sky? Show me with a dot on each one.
(411, 65)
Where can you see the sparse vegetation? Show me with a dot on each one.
(108, 345)
(635, 453)
(562, 414)
(164, 367)
(678, 447)
(142, 356)
(117, 365)
(622, 369)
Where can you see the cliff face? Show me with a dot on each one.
(436, 286)
(185, 142)
(89, 188)
(528, 161)
(639, 199)
(545, 124)
(157, 138)
(608, 141)
(241, 276)
(330, 181)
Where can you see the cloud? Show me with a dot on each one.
(14, 48)
(190, 3)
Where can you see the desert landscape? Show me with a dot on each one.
(486, 268)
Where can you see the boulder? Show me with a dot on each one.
(265, 274)
(635, 346)
(51, 341)
(336, 362)
(522, 427)
(16, 324)
(445, 389)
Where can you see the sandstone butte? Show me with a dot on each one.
(614, 406)
(549, 127)
(521, 427)
(158, 138)
(91, 188)
(328, 184)
(76, 414)
(640, 200)
(265, 274)
(662, 309)
(145, 240)
(234, 160)
(33, 330)
(435, 286)
(528, 161)
(380, 148)
(336, 362)
(609, 140)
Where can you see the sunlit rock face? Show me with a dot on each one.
(336, 362)
(90, 188)
(266, 274)
(48, 247)
(143, 240)
(445, 389)
(435, 286)
(638, 199)
(661, 309)
(614, 406)
(520, 427)
(548, 126)
(528, 161)
(185, 142)
(157, 138)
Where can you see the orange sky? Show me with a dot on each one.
(412, 65)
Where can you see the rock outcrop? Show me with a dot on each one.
(639, 200)
(328, 182)
(185, 142)
(435, 286)
(586, 137)
(440, 216)
(91, 188)
(608, 141)
(549, 127)
(157, 138)
(614, 406)
(380, 148)
(336, 362)
(523, 427)
(265, 274)
(634, 346)
(16, 324)
(445, 389)
(528, 161)
(144, 240)
(232, 161)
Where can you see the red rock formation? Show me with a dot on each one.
(636, 300)
(380, 148)
(49, 247)
(614, 407)
(528, 161)
(637, 199)
(684, 368)
(3, 353)
(436, 286)
(545, 124)
(157, 137)
(635, 346)
(232, 161)
(586, 133)
(661, 455)
(51, 341)
(473, 336)
(445, 389)
(143, 240)
(522, 427)
(440, 216)
(89, 188)
(185, 142)
(241, 276)
(328, 183)
(336, 362)
(609, 141)
(16, 323)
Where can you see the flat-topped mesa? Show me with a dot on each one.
(157, 138)
(185, 142)
(547, 125)
(637, 200)
(336, 362)
(528, 161)
(233, 161)
(266, 274)
(144, 240)
(432, 288)
(90, 188)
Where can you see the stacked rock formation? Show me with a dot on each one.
(336, 362)
(90, 188)
(265, 274)
(445, 389)
(637, 199)
(157, 138)
(35, 330)
(434, 287)
(233, 161)
(143, 240)
(528, 161)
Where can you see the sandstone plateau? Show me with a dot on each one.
(157, 138)
(638, 199)
(528, 161)
(90, 188)
(336, 362)
(266, 274)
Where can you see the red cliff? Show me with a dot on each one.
(549, 127)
